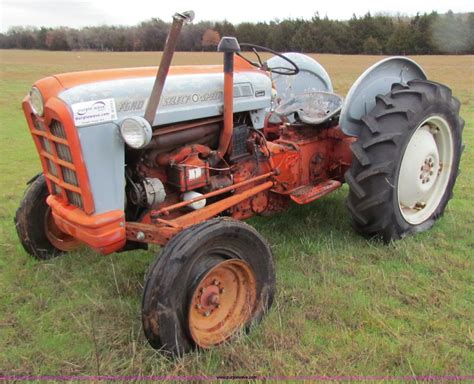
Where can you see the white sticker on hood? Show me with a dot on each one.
(94, 112)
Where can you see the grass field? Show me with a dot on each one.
(344, 305)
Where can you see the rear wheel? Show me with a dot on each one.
(36, 229)
(406, 160)
(208, 283)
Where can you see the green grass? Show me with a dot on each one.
(344, 305)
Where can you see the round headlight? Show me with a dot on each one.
(36, 101)
(135, 131)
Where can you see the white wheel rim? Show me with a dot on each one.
(425, 170)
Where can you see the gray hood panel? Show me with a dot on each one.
(185, 97)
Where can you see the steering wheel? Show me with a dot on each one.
(278, 70)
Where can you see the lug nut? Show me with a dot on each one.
(215, 282)
(207, 314)
(198, 306)
(221, 290)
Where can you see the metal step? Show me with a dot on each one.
(311, 192)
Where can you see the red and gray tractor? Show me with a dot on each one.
(180, 155)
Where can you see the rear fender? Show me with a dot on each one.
(376, 80)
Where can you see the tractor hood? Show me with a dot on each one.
(190, 92)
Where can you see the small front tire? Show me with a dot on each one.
(38, 234)
(210, 281)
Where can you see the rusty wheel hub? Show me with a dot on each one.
(222, 302)
(56, 237)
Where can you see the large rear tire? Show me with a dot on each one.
(405, 161)
(209, 282)
(38, 234)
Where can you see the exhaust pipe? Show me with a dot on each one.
(229, 46)
(178, 20)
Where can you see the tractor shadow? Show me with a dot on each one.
(318, 221)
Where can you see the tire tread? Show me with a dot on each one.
(385, 132)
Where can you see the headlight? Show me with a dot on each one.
(135, 131)
(36, 101)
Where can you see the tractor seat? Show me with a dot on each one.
(310, 108)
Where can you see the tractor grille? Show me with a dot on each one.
(57, 129)
(69, 176)
(63, 152)
(57, 159)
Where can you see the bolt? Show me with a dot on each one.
(201, 290)
(218, 305)
(221, 290)
(215, 282)
(140, 236)
(207, 314)
(198, 306)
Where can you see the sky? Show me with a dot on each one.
(79, 13)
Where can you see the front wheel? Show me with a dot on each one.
(34, 223)
(208, 283)
(406, 160)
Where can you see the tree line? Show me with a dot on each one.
(431, 33)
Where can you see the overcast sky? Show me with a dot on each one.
(79, 13)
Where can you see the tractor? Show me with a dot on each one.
(180, 156)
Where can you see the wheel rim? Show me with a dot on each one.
(425, 170)
(56, 237)
(222, 302)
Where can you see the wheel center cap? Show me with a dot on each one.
(213, 299)
(427, 170)
(208, 299)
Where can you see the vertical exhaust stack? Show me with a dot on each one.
(178, 20)
(228, 45)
